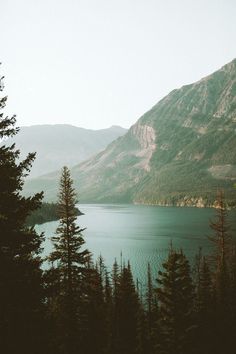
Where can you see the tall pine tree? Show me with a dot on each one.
(175, 296)
(21, 295)
(70, 262)
(222, 242)
(128, 311)
(221, 268)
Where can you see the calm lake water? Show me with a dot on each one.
(141, 233)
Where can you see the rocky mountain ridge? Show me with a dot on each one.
(179, 153)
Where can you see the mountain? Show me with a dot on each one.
(60, 144)
(179, 153)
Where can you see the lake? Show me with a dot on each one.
(140, 233)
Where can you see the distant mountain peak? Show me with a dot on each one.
(57, 145)
(178, 153)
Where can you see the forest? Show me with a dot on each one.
(77, 305)
(45, 213)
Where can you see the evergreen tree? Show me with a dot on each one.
(71, 262)
(175, 296)
(115, 310)
(204, 297)
(151, 312)
(221, 269)
(108, 289)
(108, 313)
(115, 281)
(222, 243)
(204, 308)
(128, 309)
(142, 344)
(21, 295)
(94, 312)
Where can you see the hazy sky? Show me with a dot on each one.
(97, 63)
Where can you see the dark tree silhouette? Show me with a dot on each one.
(175, 296)
(70, 262)
(222, 242)
(128, 310)
(221, 266)
(21, 295)
(204, 307)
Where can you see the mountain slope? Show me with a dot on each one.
(178, 153)
(61, 144)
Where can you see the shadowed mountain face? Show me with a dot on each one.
(178, 153)
(60, 144)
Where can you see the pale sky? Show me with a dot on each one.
(97, 63)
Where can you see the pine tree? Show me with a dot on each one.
(115, 335)
(94, 310)
(108, 313)
(71, 262)
(221, 269)
(204, 307)
(21, 295)
(152, 314)
(115, 281)
(128, 309)
(204, 290)
(175, 296)
(222, 243)
(142, 338)
(108, 289)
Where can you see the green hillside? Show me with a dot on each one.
(179, 153)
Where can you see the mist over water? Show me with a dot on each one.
(140, 233)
